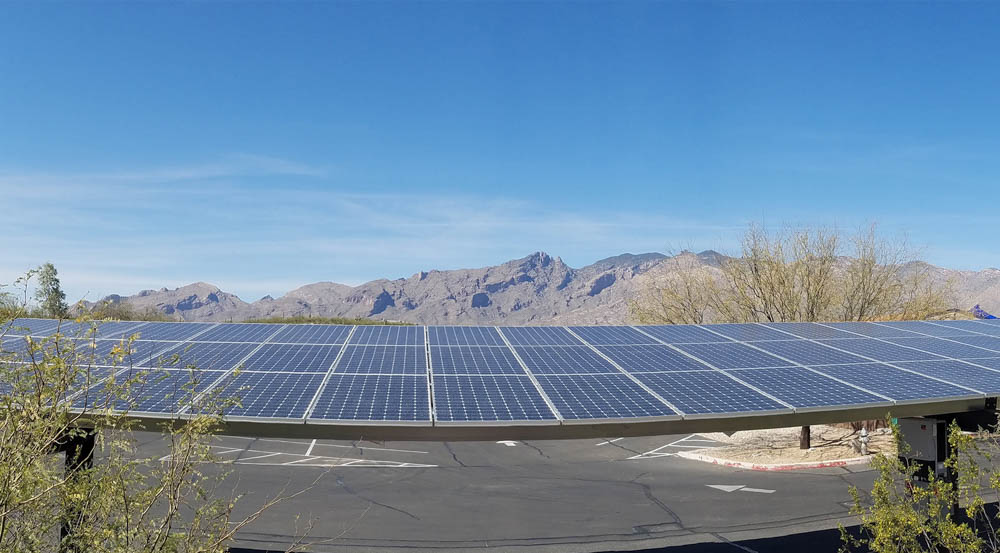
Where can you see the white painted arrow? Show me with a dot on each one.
(742, 488)
(727, 489)
(507, 443)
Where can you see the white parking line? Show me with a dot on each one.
(610, 441)
(312, 444)
(681, 443)
(245, 459)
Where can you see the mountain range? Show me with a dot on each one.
(537, 289)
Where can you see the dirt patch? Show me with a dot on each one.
(777, 446)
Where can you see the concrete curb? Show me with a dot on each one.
(695, 456)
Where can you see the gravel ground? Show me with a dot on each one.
(781, 445)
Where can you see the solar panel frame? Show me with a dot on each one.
(808, 352)
(926, 328)
(870, 330)
(28, 326)
(585, 398)
(301, 358)
(564, 360)
(752, 332)
(809, 331)
(732, 355)
(173, 332)
(945, 348)
(957, 372)
(157, 390)
(217, 356)
(246, 333)
(971, 326)
(880, 350)
(901, 385)
(409, 360)
(259, 401)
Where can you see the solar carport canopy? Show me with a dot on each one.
(468, 382)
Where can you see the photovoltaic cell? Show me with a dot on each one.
(809, 353)
(944, 347)
(749, 332)
(26, 326)
(488, 398)
(992, 363)
(238, 333)
(707, 392)
(381, 335)
(881, 351)
(564, 360)
(281, 395)
(682, 334)
(811, 331)
(891, 382)
(611, 335)
(732, 355)
(292, 357)
(383, 360)
(170, 331)
(312, 334)
(122, 353)
(601, 396)
(375, 397)
(803, 388)
(960, 373)
(474, 360)
(658, 358)
(871, 330)
(539, 336)
(929, 329)
(464, 336)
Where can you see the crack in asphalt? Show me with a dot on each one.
(342, 484)
(248, 447)
(736, 545)
(630, 450)
(536, 448)
(648, 492)
(453, 455)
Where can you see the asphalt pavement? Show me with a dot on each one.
(629, 494)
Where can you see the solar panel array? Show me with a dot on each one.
(457, 375)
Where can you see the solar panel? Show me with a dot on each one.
(292, 357)
(635, 359)
(986, 342)
(122, 353)
(27, 326)
(373, 397)
(705, 392)
(881, 351)
(972, 326)
(248, 333)
(749, 332)
(312, 334)
(809, 353)
(803, 388)
(611, 335)
(474, 360)
(488, 398)
(388, 336)
(811, 331)
(944, 347)
(564, 360)
(170, 331)
(600, 396)
(383, 360)
(929, 329)
(892, 382)
(464, 336)
(270, 395)
(957, 372)
(872, 330)
(682, 334)
(150, 391)
(992, 362)
(207, 356)
(732, 355)
(539, 336)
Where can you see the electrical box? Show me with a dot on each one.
(924, 442)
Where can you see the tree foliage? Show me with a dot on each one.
(56, 388)
(904, 514)
(51, 298)
(797, 275)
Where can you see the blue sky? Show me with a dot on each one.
(261, 147)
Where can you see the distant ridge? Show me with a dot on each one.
(536, 289)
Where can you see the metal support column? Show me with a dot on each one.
(79, 450)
